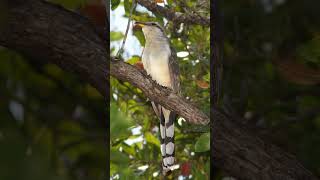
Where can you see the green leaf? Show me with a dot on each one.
(127, 6)
(159, 19)
(113, 169)
(118, 157)
(203, 143)
(133, 60)
(151, 139)
(207, 77)
(114, 4)
(116, 36)
(310, 52)
(143, 16)
(119, 123)
(140, 37)
(128, 149)
(178, 45)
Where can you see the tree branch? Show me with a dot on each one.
(175, 17)
(157, 93)
(50, 33)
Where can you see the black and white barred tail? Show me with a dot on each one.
(167, 119)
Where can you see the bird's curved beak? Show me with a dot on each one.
(138, 25)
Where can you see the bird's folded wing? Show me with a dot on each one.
(174, 72)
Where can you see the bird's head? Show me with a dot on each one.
(150, 29)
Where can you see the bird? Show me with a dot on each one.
(160, 62)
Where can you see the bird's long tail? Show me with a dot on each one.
(167, 119)
(167, 139)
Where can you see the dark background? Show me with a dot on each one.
(271, 73)
(53, 124)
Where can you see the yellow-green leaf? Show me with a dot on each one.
(150, 138)
(203, 143)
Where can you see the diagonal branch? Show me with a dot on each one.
(172, 15)
(52, 34)
(155, 92)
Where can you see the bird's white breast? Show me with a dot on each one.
(155, 60)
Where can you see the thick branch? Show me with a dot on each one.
(175, 17)
(155, 92)
(50, 33)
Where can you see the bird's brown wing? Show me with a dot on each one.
(174, 72)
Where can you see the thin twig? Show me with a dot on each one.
(134, 4)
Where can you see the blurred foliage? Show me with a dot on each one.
(202, 144)
(53, 124)
(271, 72)
(135, 153)
(115, 36)
(115, 4)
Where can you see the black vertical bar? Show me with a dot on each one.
(107, 38)
(216, 54)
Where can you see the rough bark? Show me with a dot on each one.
(176, 17)
(155, 92)
(50, 33)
